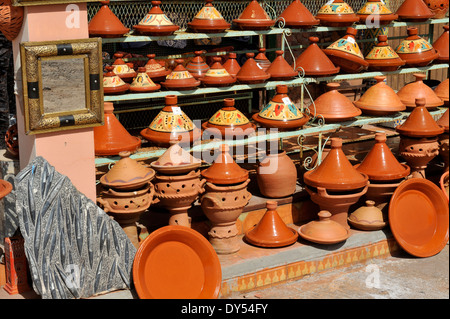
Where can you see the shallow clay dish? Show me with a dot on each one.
(324, 231)
(176, 262)
(418, 217)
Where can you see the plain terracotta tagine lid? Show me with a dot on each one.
(416, 51)
(368, 217)
(324, 231)
(155, 70)
(105, 23)
(231, 64)
(208, 19)
(334, 106)
(296, 15)
(314, 62)
(112, 84)
(197, 66)
(336, 13)
(417, 89)
(271, 231)
(376, 11)
(217, 75)
(414, 11)
(380, 164)
(380, 99)
(336, 172)
(382, 57)
(250, 72)
(254, 17)
(112, 138)
(443, 121)
(180, 78)
(442, 91)
(420, 123)
(156, 22)
(175, 160)
(224, 170)
(441, 45)
(279, 69)
(143, 83)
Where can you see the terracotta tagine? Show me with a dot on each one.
(155, 70)
(279, 69)
(123, 70)
(324, 231)
(297, 16)
(376, 12)
(314, 62)
(414, 11)
(441, 45)
(231, 64)
(368, 217)
(171, 125)
(250, 72)
(105, 23)
(382, 57)
(254, 17)
(217, 75)
(281, 112)
(438, 7)
(197, 66)
(416, 51)
(380, 99)
(336, 13)
(156, 23)
(228, 122)
(276, 175)
(271, 231)
(209, 20)
(334, 106)
(142, 83)
(261, 59)
(444, 139)
(442, 91)
(112, 138)
(417, 90)
(180, 78)
(112, 84)
(346, 53)
(175, 160)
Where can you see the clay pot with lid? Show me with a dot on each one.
(368, 217)
(155, 70)
(254, 17)
(334, 106)
(279, 69)
(346, 53)
(142, 83)
(438, 7)
(231, 64)
(441, 45)
(175, 161)
(180, 78)
(217, 75)
(382, 57)
(415, 50)
(105, 23)
(336, 13)
(414, 11)
(250, 72)
(297, 16)
(209, 20)
(156, 23)
(442, 91)
(324, 231)
(376, 11)
(281, 112)
(112, 84)
(261, 59)
(197, 66)
(380, 100)
(419, 90)
(123, 70)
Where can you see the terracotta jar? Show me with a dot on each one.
(368, 217)
(279, 69)
(346, 53)
(334, 106)
(175, 160)
(380, 100)
(254, 17)
(314, 62)
(112, 138)
(105, 23)
(155, 70)
(442, 91)
(180, 78)
(209, 20)
(297, 16)
(276, 175)
(217, 75)
(112, 84)
(438, 7)
(416, 51)
(123, 70)
(261, 60)
(441, 45)
(142, 83)
(324, 231)
(156, 23)
(281, 112)
(197, 66)
(418, 152)
(336, 13)
(231, 64)
(376, 12)
(419, 90)
(382, 57)
(250, 72)
(414, 11)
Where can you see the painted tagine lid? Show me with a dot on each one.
(336, 13)
(171, 125)
(209, 20)
(281, 112)
(175, 160)
(250, 72)
(441, 45)
(112, 84)
(279, 69)
(197, 66)
(127, 174)
(334, 106)
(414, 11)
(217, 75)
(143, 83)
(105, 23)
(376, 9)
(417, 89)
(380, 99)
(416, 51)
(335, 172)
(346, 53)
(382, 57)
(224, 170)
(368, 217)
(112, 138)
(231, 64)
(420, 123)
(380, 164)
(156, 22)
(442, 91)
(443, 121)
(271, 231)
(314, 62)
(254, 17)
(155, 70)
(180, 78)
(324, 231)
(123, 70)
(297, 16)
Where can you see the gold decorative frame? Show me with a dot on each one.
(46, 2)
(91, 114)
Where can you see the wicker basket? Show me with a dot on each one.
(11, 19)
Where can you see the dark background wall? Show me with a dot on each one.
(7, 99)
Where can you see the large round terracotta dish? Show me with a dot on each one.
(176, 262)
(418, 217)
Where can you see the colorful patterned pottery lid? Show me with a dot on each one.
(217, 75)
(441, 45)
(271, 231)
(279, 69)
(122, 69)
(251, 72)
(143, 83)
(112, 84)
(296, 15)
(376, 11)
(208, 19)
(254, 17)
(154, 69)
(335, 171)
(382, 51)
(443, 121)
(336, 13)
(156, 22)
(180, 78)
(347, 44)
(380, 164)
(417, 89)
(442, 90)
(105, 23)
(416, 50)
(197, 66)
(231, 64)
(175, 160)
(324, 231)
(414, 11)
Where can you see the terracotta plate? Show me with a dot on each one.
(418, 215)
(176, 262)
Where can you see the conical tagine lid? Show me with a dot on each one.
(271, 231)
(417, 90)
(122, 69)
(279, 69)
(254, 17)
(376, 9)
(250, 72)
(143, 83)
(441, 45)
(231, 64)
(208, 19)
(383, 57)
(197, 66)
(105, 23)
(442, 91)
(155, 70)
(336, 172)
(296, 15)
(156, 22)
(380, 164)
(443, 121)
(414, 11)
(415, 50)
(175, 160)
(217, 75)
(324, 231)
(113, 84)
(336, 13)
(229, 116)
(180, 78)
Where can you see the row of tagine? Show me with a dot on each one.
(344, 55)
